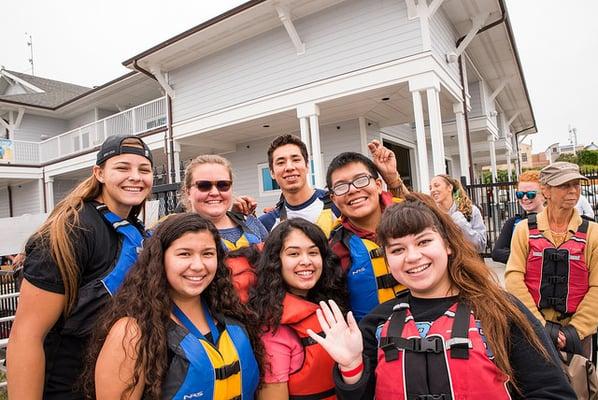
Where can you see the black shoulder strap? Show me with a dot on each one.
(282, 210)
(532, 221)
(391, 343)
(459, 343)
(326, 200)
(239, 219)
(553, 328)
(573, 343)
(583, 228)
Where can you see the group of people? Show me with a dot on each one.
(350, 292)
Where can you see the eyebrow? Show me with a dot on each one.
(299, 247)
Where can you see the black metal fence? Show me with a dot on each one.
(8, 305)
(497, 202)
(168, 197)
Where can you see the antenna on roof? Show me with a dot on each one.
(573, 138)
(30, 44)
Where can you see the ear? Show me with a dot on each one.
(271, 173)
(98, 172)
(449, 251)
(378, 182)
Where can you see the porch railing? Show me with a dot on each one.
(133, 121)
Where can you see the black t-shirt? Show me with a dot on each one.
(96, 245)
(537, 378)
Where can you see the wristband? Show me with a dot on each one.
(351, 373)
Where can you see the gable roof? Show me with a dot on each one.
(54, 92)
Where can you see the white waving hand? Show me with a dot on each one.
(343, 339)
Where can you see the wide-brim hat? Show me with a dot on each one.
(560, 172)
(114, 146)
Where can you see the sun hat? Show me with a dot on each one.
(560, 172)
(113, 146)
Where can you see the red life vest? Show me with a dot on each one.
(242, 274)
(557, 277)
(449, 362)
(314, 378)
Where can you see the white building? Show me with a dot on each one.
(338, 74)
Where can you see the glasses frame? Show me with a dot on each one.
(335, 188)
(218, 184)
(523, 194)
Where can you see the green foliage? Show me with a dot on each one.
(587, 157)
(502, 176)
(568, 157)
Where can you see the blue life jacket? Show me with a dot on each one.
(225, 369)
(247, 238)
(93, 296)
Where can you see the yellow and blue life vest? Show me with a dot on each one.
(223, 370)
(247, 238)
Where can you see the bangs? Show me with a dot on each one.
(406, 218)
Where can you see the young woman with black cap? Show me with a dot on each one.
(74, 262)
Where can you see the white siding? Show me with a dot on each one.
(476, 99)
(444, 38)
(347, 37)
(33, 126)
(4, 204)
(62, 187)
(82, 119)
(26, 198)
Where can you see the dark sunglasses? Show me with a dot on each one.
(530, 194)
(206, 186)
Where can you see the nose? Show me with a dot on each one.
(412, 254)
(305, 260)
(197, 263)
(135, 175)
(213, 191)
(288, 165)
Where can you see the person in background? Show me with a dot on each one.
(296, 270)
(584, 208)
(455, 335)
(531, 200)
(553, 266)
(450, 197)
(191, 340)
(73, 264)
(356, 190)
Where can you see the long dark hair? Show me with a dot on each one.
(267, 295)
(143, 299)
(475, 282)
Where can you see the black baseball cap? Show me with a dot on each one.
(113, 146)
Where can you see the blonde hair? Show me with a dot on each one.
(460, 197)
(200, 160)
(58, 229)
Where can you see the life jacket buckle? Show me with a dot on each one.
(400, 306)
(459, 343)
(227, 371)
(431, 344)
(391, 352)
(555, 256)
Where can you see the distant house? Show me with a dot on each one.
(439, 82)
(591, 146)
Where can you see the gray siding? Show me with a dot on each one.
(4, 206)
(444, 37)
(350, 36)
(26, 198)
(33, 126)
(62, 187)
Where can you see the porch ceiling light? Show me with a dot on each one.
(385, 98)
(266, 126)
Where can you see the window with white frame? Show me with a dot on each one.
(268, 185)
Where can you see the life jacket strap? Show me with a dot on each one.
(430, 344)
(377, 252)
(226, 371)
(442, 396)
(308, 341)
(459, 341)
(386, 281)
(316, 396)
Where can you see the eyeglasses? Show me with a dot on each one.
(206, 186)
(358, 183)
(531, 194)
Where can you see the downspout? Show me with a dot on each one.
(44, 187)
(169, 138)
(463, 93)
(517, 144)
(10, 210)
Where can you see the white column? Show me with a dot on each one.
(177, 161)
(492, 157)
(309, 112)
(437, 140)
(422, 151)
(304, 126)
(316, 153)
(363, 135)
(509, 166)
(462, 139)
(49, 181)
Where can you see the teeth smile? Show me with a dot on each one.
(418, 269)
(194, 278)
(357, 201)
(132, 189)
(305, 273)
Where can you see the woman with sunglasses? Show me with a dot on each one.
(450, 197)
(208, 192)
(531, 201)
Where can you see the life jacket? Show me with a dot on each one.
(92, 297)
(326, 220)
(557, 277)
(450, 362)
(242, 274)
(225, 370)
(369, 281)
(247, 238)
(314, 379)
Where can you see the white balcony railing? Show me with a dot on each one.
(133, 121)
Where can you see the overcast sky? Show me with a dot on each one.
(81, 42)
